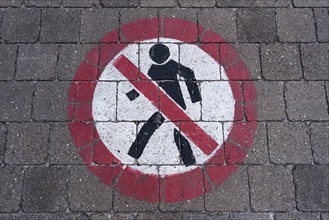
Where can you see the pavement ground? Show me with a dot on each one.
(52, 156)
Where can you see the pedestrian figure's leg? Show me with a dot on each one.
(184, 148)
(145, 134)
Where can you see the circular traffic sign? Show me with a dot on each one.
(155, 115)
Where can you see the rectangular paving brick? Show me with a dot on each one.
(258, 154)
(158, 3)
(8, 55)
(11, 182)
(197, 3)
(20, 25)
(312, 187)
(17, 99)
(320, 144)
(315, 61)
(253, 3)
(120, 3)
(62, 149)
(43, 3)
(107, 20)
(50, 101)
(11, 3)
(270, 100)
(196, 204)
(86, 192)
(70, 57)
(281, 62)
(226, 197)
(3, 138)
(297, 215)
(43, 216)
(306, 101)
(227, 216)
(256, 25)
(271, 188)
(159, 216)
(322, 23)
(45, 189)
(81, 3)
(27, 143)
(289, 143)
(36, 62)
(222, 21)
(114, 216)
(291, 21)
(311, 3)
(60, 25)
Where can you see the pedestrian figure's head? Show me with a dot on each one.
(159, 53)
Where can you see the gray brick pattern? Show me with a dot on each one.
(284, 44)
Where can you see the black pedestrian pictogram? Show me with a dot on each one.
(166, 75)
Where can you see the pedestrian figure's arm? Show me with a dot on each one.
(190, 82)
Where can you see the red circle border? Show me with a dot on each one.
(177, 187)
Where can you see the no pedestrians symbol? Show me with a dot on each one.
(159, 118)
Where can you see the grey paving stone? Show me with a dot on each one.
(20, 25)
(253, 3)
(7, 61)
(281, 62)
(44, 216)
(315, 61)
(250, 55)
(87, 193)
(11, 3)
(123, 203)
(270, 100)
(16, 98)
(289, 143)
(311, 3)
(81, 3)
(312, 187)
(50, 101)
(271, 188)
(325, 216)
(62, 149)
(3, 138)
(70, 56)
(45, 189)
(159, 216)
(60, 25)
(43, 3)
(256, 25)
(222, 21)
(320, 145)
(306, 101)
(226, 216)
(196, 204)
(290, 22)
(106, 19)
(259, 151)
(297, 216)
(113, 216)
(27, 143)
(322, 23)
(36, 62)
(120, 3)
(197, 3)
(158, 3)
(11, 181)
(226, 197)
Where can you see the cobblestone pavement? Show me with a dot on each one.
(285, 45)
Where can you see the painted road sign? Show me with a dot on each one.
(156, 115)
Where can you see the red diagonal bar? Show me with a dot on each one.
(172, 111)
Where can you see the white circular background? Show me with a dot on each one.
(115, 115)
